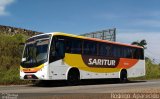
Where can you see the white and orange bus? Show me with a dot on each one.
(61, 56)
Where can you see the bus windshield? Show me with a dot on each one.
(35, 53)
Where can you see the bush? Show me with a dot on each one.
(152, 70)
(10, 57)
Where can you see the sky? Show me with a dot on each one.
(134, 20)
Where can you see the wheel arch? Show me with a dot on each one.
(123, 69)
(73, 69)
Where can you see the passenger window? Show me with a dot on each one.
(89, 48)
(117, 51)
(104, 49)
(141, 54)
(127, 52)
(73, 46)
(76, 46)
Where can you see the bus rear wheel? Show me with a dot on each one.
(123, 76)
(73, 77)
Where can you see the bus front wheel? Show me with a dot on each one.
(73, 77)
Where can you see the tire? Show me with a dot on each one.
(73, 78)
(123, 76)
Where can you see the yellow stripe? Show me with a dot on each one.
(70, 35)
(35, 69)
(75, 60)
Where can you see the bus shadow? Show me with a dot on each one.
(83, 82)
(107, 81)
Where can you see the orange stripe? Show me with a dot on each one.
(127, 63)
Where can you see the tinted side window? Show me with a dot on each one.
(141, 53)
(73, 46)
(114, 51)
(76, 46)
(68, 45)
(104, 49)
(89, 48)
(136, 54)
(127, 52)
(118, 51)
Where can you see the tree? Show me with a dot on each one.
(142, 43)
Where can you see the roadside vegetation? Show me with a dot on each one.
(152, 70)
(10, 57)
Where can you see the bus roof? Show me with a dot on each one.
(88, 38)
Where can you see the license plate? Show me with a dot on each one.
(29, 76)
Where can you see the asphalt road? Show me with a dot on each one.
(86, 87)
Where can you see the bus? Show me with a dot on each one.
(62, 56)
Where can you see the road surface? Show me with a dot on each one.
(84, 89)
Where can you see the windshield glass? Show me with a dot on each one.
(35, 53)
